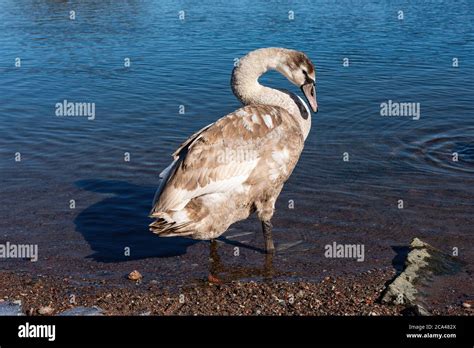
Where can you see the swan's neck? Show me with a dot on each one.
(249, 91)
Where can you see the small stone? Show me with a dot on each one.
(466, 304)
(47, 310)
(135, 276)
(213, 280)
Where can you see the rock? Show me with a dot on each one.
(82, 311)
(402, 290)
(467, 304)
(10, 308)
(213, 280)
(420, 310)
(47, 310)
(135, 276)
(423, 261)
(417, 310)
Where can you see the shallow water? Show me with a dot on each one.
(188, 62)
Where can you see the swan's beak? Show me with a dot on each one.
(309, 92)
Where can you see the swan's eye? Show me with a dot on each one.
(308, 79)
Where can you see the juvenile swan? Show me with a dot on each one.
(238, 165)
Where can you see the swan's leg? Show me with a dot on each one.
(215, 263)
(267, 235)
(268, 266)
(214, 255)
(265, 208)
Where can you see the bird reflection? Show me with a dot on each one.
(220, 273)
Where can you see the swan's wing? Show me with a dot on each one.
(222, 156)
(163, 179)
(168, 172)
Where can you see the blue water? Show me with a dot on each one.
(188, 62)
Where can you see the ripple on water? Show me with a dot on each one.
(450, 152)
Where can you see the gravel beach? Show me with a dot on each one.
(349, 295)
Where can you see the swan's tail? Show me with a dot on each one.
(166, 228)
(168, 223)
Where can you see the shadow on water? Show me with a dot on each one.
(121, 221)
(398, 261)
(236, 243)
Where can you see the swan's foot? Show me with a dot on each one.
(267, 235)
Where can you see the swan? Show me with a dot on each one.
(238, 165)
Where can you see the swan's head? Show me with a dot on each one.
(297, 68)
